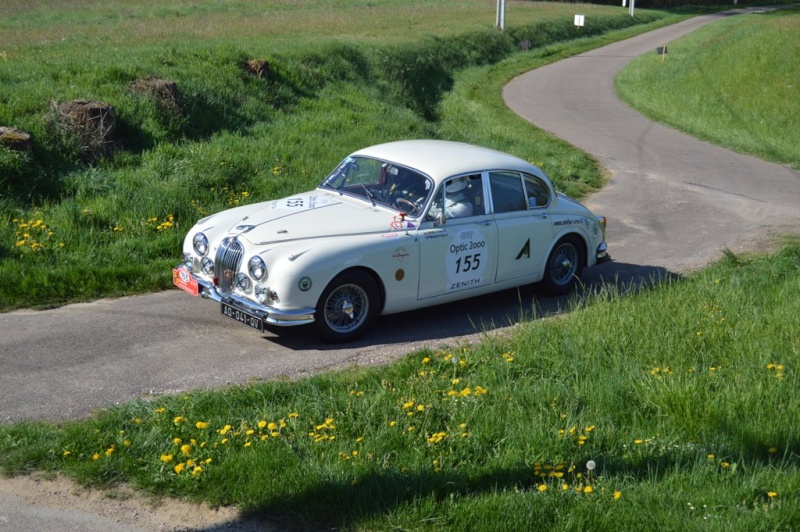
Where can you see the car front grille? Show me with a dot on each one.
(227, 263)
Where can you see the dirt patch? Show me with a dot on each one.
(122, 505)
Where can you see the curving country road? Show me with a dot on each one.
(674, 203)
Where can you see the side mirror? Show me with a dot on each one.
(441, 219)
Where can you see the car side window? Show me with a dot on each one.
(461, 197)
(507, 192)
(537, 191)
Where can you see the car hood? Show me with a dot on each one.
(312, 215)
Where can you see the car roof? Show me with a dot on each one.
(441, 159)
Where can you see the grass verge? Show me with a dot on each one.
(78, 230)
(733, 83)
(671, 409)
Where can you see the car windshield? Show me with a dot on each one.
(380, 182)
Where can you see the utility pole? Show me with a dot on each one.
(500, 22)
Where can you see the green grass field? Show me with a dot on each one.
(734, 83)
(348, 75)
(674, 408)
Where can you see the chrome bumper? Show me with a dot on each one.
(273, 316)
(602, 253)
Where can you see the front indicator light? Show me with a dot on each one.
(262, 293)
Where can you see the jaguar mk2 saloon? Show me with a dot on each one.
(394, 227)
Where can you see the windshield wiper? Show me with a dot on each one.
(369, 194)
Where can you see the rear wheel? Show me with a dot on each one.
(564, 265)
(347, 307)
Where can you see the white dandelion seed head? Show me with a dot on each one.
(590, 465)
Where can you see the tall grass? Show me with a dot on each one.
(671, 409)
(733, 83)
(75, 231)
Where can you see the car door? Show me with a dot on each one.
(519, 203)
(460, 254)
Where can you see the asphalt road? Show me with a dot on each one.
(674, 204)
(673, 201)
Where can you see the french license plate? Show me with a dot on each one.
(242, 317)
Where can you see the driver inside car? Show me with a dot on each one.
(407, 190)
(457, 203)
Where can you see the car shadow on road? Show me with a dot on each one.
(463, 319)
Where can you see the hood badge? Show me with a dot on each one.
(245, 228)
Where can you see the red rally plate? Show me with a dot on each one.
(184, 280)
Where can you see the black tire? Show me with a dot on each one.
(347, 307)
(564, 266)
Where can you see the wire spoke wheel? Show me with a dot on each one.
(563, 266)
(347, 306)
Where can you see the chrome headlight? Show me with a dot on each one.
(242, 282)
(207, 266)
(200, 244)
(257, 268)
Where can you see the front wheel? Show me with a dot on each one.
(564, 265)
(347, 307)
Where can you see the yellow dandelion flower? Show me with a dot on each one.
(542, 487)
(166, 458)
(67, 453)
(179, 468)
(177, 441)
(196, 471)
(772, 450)
(617, 495)
(248, 444)
(294, 415)
(426, 360)
(262, 424)
(588, 489)
(272, 426)
(95, 456)
(201, 425)
(772, 494)
(186, 450)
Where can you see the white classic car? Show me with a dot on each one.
(394, 227)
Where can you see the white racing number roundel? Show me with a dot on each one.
(466, 259)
